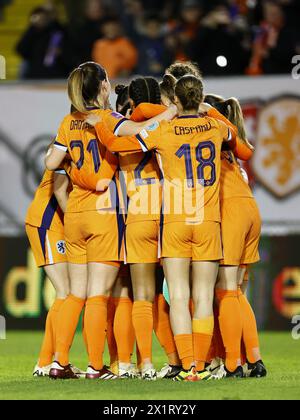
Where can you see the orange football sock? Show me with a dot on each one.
(48, 346)
(202, 337)
(213, 351)
(184, 344)
(250, 333)
(230, 320)
(142, 319)
(84, 333)
(163, 330)
(95, 321)
(111, 341)
(123, 330)
(67, 321)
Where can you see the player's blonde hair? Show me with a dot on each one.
(84, 86)
(231, 109)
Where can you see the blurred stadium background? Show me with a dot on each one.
(245, 48)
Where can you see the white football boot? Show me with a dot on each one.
(39, 372)
(149, 373)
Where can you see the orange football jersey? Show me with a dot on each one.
(142, 174)
(189, 154)
(241, 150)
(79, 139)
(232, 184)
(44, 210)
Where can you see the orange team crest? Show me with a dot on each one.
(276, 162)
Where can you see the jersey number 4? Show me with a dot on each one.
(92, 148)
(186, 152)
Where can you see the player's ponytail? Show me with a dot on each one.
(144, 89)
(235, 115)
(231, 109)
(75, 84)
(84, 86)
(189, 91)
(122, 103)
(167, 87)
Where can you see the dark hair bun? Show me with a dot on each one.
(191, 93)
(119, 89)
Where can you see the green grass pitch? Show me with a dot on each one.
(18, 355)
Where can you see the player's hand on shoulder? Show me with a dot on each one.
(204, 108)
(93, 119)
(172, 111)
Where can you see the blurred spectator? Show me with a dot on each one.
(275, 43)
(218, 48)
(114, 51)
(41, 46)
(225, 37)
(154, 56)
(184, 31)
(83, 35)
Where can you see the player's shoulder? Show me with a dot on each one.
(68, 118)
(110, 113)
(212, 121)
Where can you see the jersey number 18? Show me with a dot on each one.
(186, 152)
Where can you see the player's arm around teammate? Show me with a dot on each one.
(142, 230)
(93, 227)
(186, 134)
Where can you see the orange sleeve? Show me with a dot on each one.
(61, 140)
(214, 113)
(114, 143)
(228, 134)
(145, 111)
(241, 150)
(99, 181)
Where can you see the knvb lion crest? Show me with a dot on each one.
(276, 162)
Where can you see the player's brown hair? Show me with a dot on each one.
(167, 86)
(182, 68)
(84, 85)
(231, 109)
(189, 91)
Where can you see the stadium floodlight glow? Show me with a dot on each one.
(222, 61)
